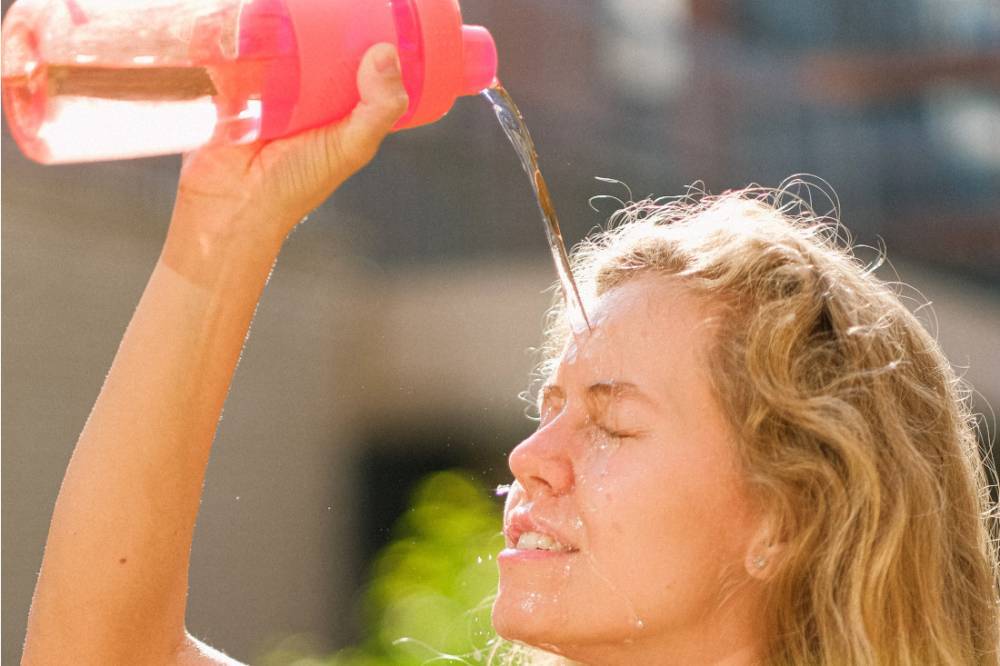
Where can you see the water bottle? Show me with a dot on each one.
(87, 80)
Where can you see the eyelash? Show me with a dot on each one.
(613, 434)
(544, 412)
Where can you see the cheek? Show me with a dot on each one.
(664, 530)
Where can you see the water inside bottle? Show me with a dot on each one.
(513, 126)
(82, 112)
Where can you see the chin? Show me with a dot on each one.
(521, 616)
(535, 631)
(584, 635)
(538, 620)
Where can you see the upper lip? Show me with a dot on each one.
(521, 521)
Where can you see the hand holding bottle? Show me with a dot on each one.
(261, 190)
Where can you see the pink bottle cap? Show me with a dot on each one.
(441, 59)
(479, 55)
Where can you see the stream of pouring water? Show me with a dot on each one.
(513, 126)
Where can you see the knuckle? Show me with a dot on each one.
(400, 104)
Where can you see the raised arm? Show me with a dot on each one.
(113, 582)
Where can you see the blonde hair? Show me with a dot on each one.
(853, 430)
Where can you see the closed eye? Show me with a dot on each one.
(617, 434)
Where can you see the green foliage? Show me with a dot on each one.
(429, 596)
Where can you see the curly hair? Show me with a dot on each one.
(853, 430)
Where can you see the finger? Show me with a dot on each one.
(383, 101)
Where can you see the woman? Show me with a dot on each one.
(755, 456)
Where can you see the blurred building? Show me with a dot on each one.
(392, 338)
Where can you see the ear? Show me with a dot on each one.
(763, 551)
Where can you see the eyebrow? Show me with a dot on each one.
(613, 390)
(604, 391)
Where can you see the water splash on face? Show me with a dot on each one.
(594, 464)
(531, 601)
(592, 460)
(599, 455)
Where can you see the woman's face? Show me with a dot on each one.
(628, 526)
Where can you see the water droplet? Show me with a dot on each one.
(479, 560)
(528, 605)
(502, 489)
(237, 498)
(639, 624)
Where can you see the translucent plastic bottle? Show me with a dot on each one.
(88, 80)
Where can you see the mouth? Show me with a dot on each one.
(531, 546)
(526, 534)
(541, 541)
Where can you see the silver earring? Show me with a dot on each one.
(760, 561)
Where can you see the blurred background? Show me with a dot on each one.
(394, 336)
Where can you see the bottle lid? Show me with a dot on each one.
(441, 58)
(453, 59)
(479, 55)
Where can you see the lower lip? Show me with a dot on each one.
(522, 555)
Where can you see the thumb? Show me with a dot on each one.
(383, 101)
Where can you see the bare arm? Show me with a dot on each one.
(113, 583)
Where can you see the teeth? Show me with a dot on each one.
(537, 541)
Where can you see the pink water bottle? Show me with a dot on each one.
(88, 80)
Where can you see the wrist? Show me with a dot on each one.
(222, 248)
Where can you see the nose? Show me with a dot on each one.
(541, 463)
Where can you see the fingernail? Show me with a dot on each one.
(387, 63)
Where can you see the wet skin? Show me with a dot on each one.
(633, 468)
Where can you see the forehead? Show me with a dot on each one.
(649, 331)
